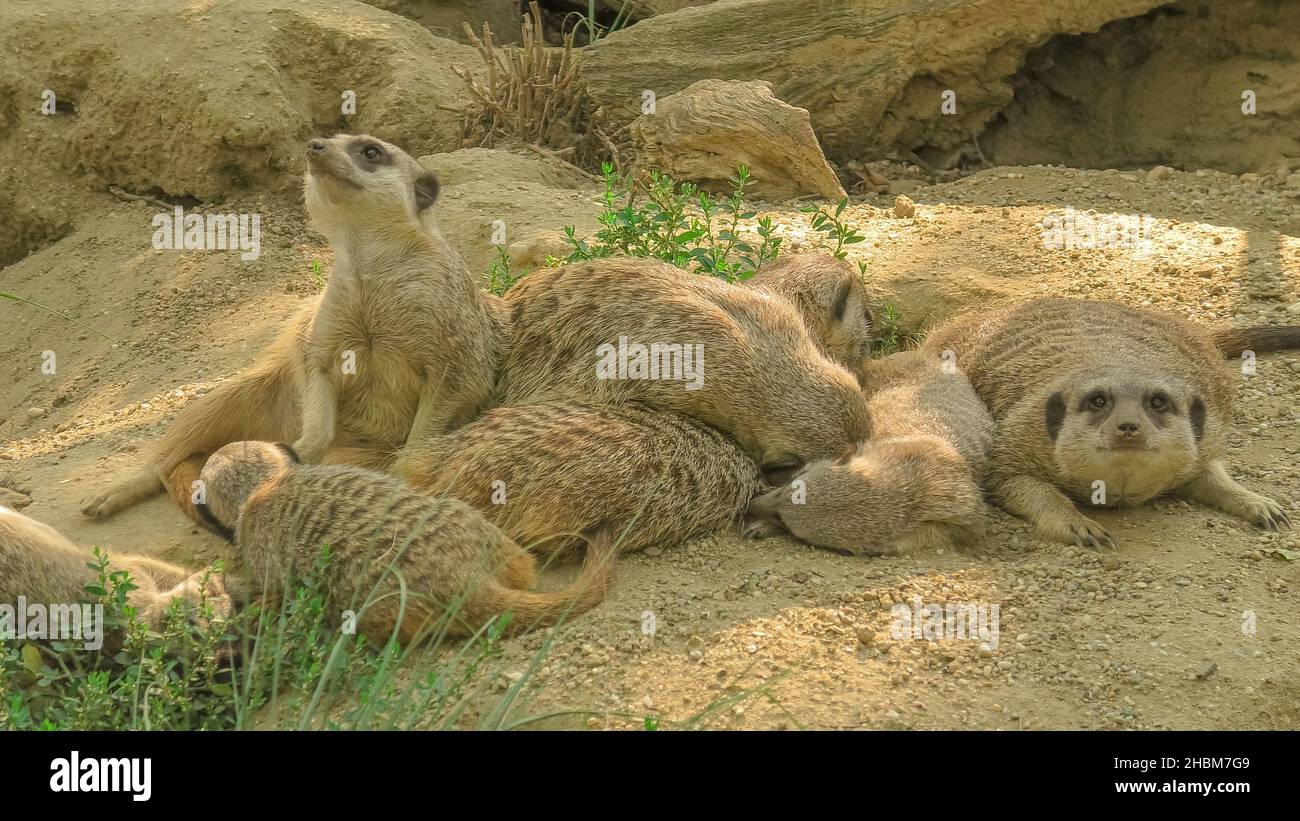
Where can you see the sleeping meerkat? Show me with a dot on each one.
(1105, 404)
(544, 473)
(403, 340)
(914, 485)
(830, 296)
(41, 564)
(618, 330)
(403, 561)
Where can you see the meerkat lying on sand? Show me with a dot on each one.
(1105, 404)
(618, 330)
(401, 560)
(403, 340)
(42, 565)
(914, 485)
(545, 473)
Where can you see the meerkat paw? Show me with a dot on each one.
(1261, 511)
(122, 495)
(13, 498)
(1054, 516)
(1077, 530)
(758, 529)
(1218, 490)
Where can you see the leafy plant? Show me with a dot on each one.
(280, 667)
(831, 224)
(654, 216)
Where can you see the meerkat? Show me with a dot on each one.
(544, 473)
(402, 341)
(830, 296)
(740, 360)
(40, 564)
(916, 484)
(402, 560)
(1105, 404)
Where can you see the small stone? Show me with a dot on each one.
(866, 636)
(1160, 172)
(904, 207)
(35, 413)
(1207, 670)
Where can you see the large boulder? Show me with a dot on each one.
(871, 72)
(704, 132)
(199, 101)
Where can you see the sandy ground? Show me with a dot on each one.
(773, 633)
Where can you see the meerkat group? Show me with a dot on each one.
(438, 438)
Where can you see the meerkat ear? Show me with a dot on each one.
(426, 191)
(290, 452)
(1196, 413)
(841, 302)
(1054, 414)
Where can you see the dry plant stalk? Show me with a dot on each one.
(533, 96)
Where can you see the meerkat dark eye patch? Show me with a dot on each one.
(426, 191)
(1196, 413)
(780, 473)
(211, 522)
(1054, 414)
(290, 452)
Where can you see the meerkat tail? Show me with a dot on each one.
(1231, 342)
(531, 609)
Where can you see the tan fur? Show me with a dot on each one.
(423, 335)
(1038, 366)
(385, 539)
(765, 381)
(914, 485)
(42, 565)
(652, 477)
(829, 295)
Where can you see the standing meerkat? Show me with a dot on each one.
(402, 341)
(829, 295)
(402, 560)
(618, 330)
(544, 473)
(42, 565)
(1106, 404)
(916, 484)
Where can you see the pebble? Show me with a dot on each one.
(35, 413)
(904, 207)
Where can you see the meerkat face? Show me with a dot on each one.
(361, 179)
(1137, 433)
(824, 434)
(852, 502)
(233, 474)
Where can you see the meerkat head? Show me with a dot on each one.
(830, 297)
(870, 498)
(832, 414)
(1138, 432)
(233, 474)
(358, 180)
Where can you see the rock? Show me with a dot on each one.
(446, 18)
(232, 94)
(1293, 181)
(866, 636)
(1160, 172)
(904, 207)
(35, 413)
(872, 77)
(707, 130)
